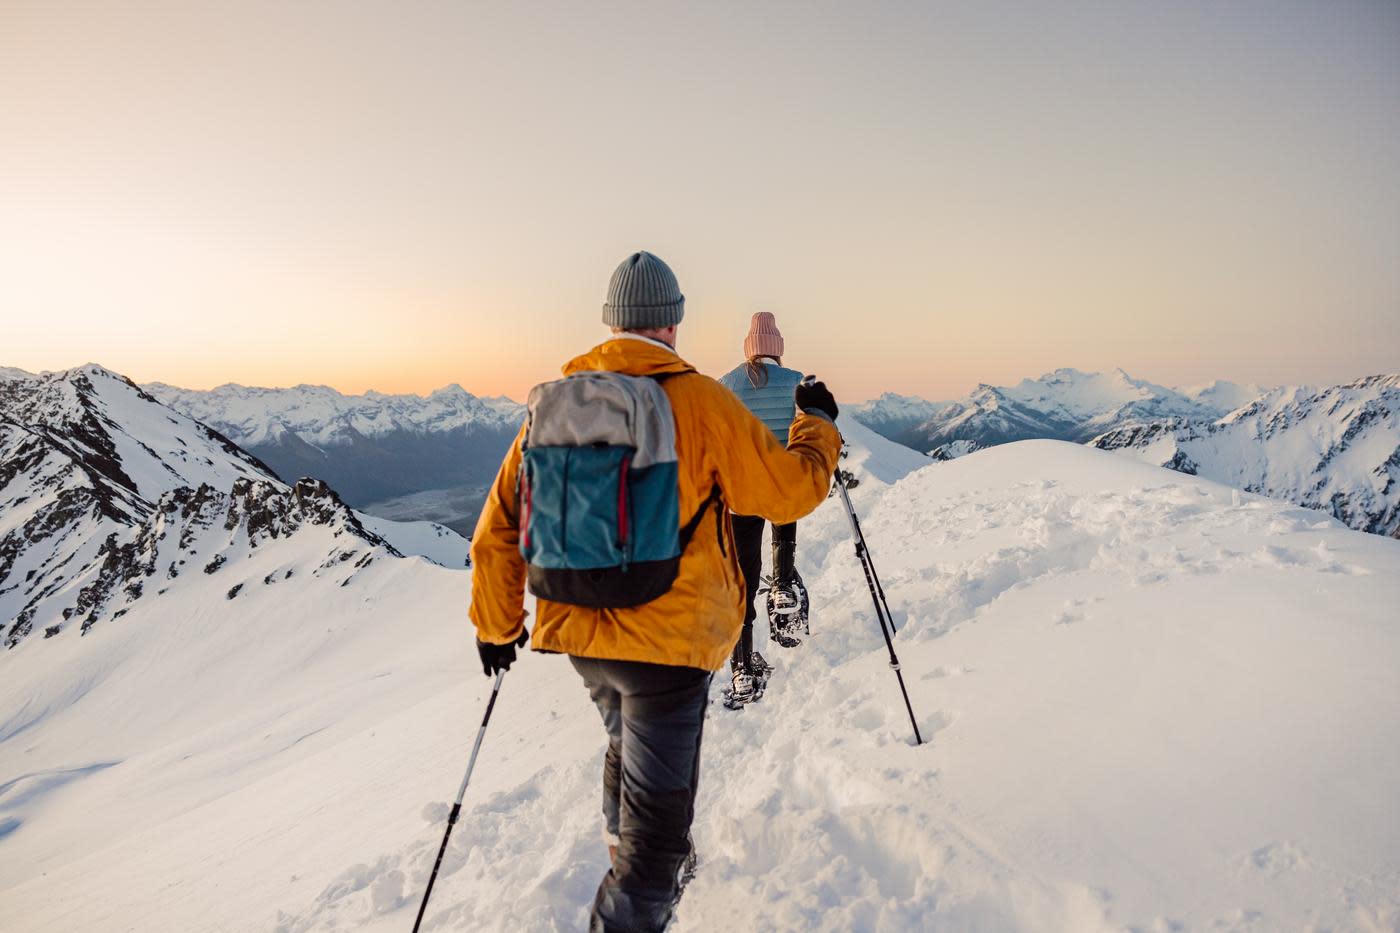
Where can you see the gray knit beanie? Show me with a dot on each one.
(643, 293)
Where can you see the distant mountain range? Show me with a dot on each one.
(1066, 405)
(401, 457)
(406, 457)
(1335, 448)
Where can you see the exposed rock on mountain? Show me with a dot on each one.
(1336, 449)
(422, 456)
(1063, 405)
(107, 496)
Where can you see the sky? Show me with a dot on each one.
(400, 196)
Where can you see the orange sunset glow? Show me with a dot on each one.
(928, 196)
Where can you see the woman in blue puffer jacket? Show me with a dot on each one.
(766, 387)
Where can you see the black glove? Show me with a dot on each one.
(812, 395)
(500, 657)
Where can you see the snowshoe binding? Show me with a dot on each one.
(761, 671)
(742, 690)
(788, 609)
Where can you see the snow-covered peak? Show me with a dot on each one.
(122, 438)
(1071, 395)
(96, 475)
(891, 406)
(870, 455)
(1065, 404)
(1335, 448)
(1224, 396)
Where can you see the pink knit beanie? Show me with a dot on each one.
(764, 338)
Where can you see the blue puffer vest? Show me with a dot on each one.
(772, 402)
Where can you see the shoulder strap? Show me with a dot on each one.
(715, 498)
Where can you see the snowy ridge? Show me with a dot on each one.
(1063, 405)
(207, 529)
(122, 439)
(86, 457)
(324, 417)
(1152, 702)
(1336, 449)
(891, 413)
(398, 456)
(437, 543)
(871, 456)
(10, 372)
(953, 450)
(1225, 396)
(95, 471)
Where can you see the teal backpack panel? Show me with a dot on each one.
(599, 491)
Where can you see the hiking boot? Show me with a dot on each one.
(743, 689)
(783, 601)
(787, 613)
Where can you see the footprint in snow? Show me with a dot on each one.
(947, 670)
(1277, 858)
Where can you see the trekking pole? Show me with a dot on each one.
(877, 594)
(461, 792)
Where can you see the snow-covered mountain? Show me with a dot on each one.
(399, 456)
(1063, 405)
(953, 450)
(896, 416)
(1336, 449)
(1151, 703)
(12, 372)
(107, 496)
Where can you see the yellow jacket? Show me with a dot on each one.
(718, 441)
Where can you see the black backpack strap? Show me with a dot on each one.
(715, 498)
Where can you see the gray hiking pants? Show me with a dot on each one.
(654, 715)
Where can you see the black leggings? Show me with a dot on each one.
(748, 545)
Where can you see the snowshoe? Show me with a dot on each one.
(788, 609)
(687, 871)
(761, 671)
(744, 688)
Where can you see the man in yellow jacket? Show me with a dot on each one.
(648, 667)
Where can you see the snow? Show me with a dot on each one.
(1065, 404)
(870, 455)
(159, 449)
(322, 416)
(1335, 448)
(437, 543)
(1225, 396)
(1151, 702)
(86, 436)
(891, 407)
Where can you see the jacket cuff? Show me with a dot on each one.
(818, 413)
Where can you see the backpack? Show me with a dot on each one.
(599, 491)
